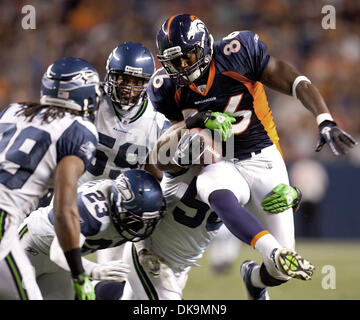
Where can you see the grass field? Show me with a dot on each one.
(342, 256)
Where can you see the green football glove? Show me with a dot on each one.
(83, 287)
(222, 122)
(282, 197)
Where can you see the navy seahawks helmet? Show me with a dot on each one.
(71, 83)
(128, 60)
(138, 204)
(178, 36)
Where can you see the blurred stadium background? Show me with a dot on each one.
(328, 224)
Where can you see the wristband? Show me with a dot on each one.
(73, 258)
(296, 82)
(198, 120)
(322, 117)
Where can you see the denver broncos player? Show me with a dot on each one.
(219, 85)
(46, 145)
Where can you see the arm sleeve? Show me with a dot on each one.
(252, 57)
(77, 140)
(161, 92)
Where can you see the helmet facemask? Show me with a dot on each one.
(126, 91)
(178, 37)
(170, 59)
(135, 228)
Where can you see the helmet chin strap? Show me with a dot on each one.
(195, 75)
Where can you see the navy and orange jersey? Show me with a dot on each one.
(232, 85)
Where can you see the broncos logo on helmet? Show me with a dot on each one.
(178, 36)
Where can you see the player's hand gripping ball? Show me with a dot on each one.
(198, 147)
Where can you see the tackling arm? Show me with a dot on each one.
(66, 221)
(166, 145)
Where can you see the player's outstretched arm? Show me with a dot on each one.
(66, 222)
(280, 76)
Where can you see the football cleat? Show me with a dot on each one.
(292, 264)
(253, 293)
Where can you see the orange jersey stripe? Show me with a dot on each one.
(257, 237)
(209, 83)
(168, 26)
(177, 96)
(261, 105)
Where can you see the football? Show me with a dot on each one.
(199, 146)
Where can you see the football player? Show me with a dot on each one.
(111, 213)
(46, 145)
(219, 85)
(127, 123)
(159, 265)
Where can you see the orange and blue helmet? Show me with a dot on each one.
(178, 36)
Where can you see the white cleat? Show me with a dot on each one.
(253, 293)
(292, 264)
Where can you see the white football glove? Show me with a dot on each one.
(110, 271)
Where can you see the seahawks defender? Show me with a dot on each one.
(220, 85)
(127, 124)
(111, 213)
(46, 145)
(126, 121)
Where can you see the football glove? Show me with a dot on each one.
(83, 287)
(282, 197)
(110, 271)
(213, 121)
(339, 141)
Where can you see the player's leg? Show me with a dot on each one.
(17, 276)
(150, 278)
(223, 251)
(223, 187)
(264, 172)
(54, 282)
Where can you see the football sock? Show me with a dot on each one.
(236, 218)
(255, 278)
(266, 244)
(267, 279)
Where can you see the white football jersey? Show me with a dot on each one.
(94, 205)
(188, 225)
(125, 142)
(30, 152)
